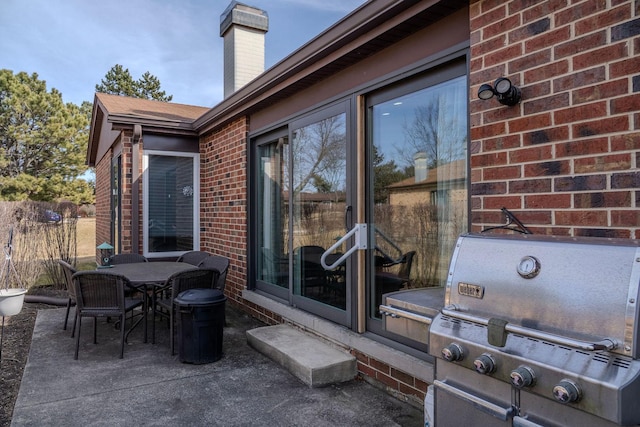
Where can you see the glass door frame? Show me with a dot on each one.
(344, 317)
(455, 68)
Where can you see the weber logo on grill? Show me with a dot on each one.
(470, 290)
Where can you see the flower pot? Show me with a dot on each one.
(11, 301)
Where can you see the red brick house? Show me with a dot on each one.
(346, 114)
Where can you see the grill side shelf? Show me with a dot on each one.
(393, 312)
(604, 344)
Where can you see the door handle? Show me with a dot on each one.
(360, 233)
(347, 217)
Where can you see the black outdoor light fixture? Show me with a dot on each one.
(507, 93)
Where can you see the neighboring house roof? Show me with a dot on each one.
(111, 113)
(449, 172)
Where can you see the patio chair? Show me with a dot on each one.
(69, 271)
(196, 278)
(128, 258)
(219, 263)
(389, 282)
(101, 294)
(308, 266)
(193, 257)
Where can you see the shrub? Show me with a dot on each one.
(35, 243)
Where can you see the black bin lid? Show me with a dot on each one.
(200, 297)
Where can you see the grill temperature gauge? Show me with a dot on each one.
(529, 267)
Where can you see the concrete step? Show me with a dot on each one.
(310, 359)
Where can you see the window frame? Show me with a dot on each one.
(145, 202)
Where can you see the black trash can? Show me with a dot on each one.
(200, 323)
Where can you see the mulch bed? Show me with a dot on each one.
(16, 341)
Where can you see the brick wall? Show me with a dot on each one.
(125, 195)
(103, 200)
(223, 201)
(565, 159)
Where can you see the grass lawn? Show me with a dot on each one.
(86, 243)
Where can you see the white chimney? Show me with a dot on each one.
(420, 166)
(243, 28)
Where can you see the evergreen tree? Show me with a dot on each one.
(43, 142)
(118, 81)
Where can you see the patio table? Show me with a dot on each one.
(146, 275)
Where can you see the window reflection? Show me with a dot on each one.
(273, 265)
(171, 203)
(319, 187)
(419, 155)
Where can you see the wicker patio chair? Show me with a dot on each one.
(101, 294)
(127, 258)
(69, 271)
(193, 257)
(196, 278)
(219, 263)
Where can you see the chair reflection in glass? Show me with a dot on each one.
(387, 281)
(313, 277)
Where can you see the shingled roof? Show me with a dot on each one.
(112, 113)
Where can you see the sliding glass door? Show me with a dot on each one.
(417, 195)
(302, 195)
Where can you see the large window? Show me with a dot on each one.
(171, 203)
(418, 181)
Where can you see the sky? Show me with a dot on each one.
(72, 44)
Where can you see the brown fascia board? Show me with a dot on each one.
(97, 117)
(124, 121)
(347, 37)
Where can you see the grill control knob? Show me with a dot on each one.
(566, 391)
(522, 376)
(484, 364)
(453, 352)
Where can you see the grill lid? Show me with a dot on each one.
(581, 288)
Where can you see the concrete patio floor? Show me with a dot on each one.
(149, 387)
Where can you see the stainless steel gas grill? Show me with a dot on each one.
(538, 330)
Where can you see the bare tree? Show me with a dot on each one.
(441, 135)
(319, 155)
